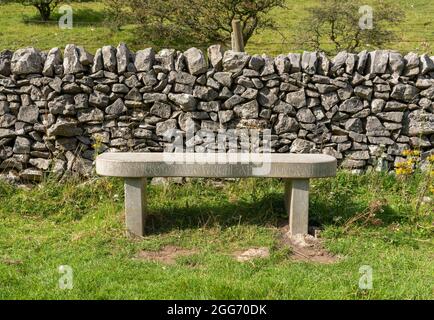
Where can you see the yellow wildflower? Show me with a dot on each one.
(406, 152)
(399, 164)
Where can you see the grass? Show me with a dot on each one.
(80, 224)
(416, 31)
(20, 29)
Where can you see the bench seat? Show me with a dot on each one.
(295, 169)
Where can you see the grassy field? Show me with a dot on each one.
(20, 29)
(80, 224)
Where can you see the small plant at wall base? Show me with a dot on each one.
(407, 167)
(411, 167)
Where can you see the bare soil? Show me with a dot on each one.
(306, 248)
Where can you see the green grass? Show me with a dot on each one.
(19, 29)
(80, 224)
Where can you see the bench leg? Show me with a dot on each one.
(135, 206)
(297, 205)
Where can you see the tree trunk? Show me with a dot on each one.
(44, 11)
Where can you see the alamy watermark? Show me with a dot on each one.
(365, 280)
(66, 20)
(225, 146)
(366, 21)
(66, 281)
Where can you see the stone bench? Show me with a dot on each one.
(295, 169)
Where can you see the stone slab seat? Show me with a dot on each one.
(295, 169)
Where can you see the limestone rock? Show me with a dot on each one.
(22, 145)
(28, 114)
(286, 124)
(267, 98)
(235, 61)
(412, 62)
(354, 124)
(375, 128)
(109, 58)
(295, 61)
(391, 116)
(196, 62)
(351, 105)
(309, 62)
(249, 110)
(186, 101)
(30, 174)
(282, 64)
(420, 123)
(339, 61)
(396, 63)
(98, 63)
(166, 59)
(145, 59)
(86, 59)
(362, 61)
(297, 99)
(116, 108)
(123, 57)
(65, 128)
(404, 92)
(225, 116)
(426, 64)
(305, 115)
(54, 58)
(378, 61)
(90, 115)
(215, 56)
(166, 127)
(302, 146)
(161, 110)
(5, 62)
(71, 60)
(26, 61)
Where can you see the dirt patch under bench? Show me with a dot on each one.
(306, 247)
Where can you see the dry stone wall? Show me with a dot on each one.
(58, 109)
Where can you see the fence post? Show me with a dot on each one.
(237, 36)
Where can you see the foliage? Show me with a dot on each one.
(90, 30)
(44, 7)
(117, 13)
(411, 166)
(198, 22)
(407, 167)
(337, 22)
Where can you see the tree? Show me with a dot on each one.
(44, 7)
(335, 23)
(117, 13)
(199, 22)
